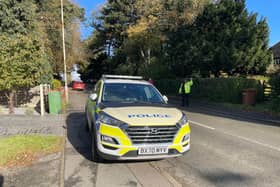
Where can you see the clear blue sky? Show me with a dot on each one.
(270, 9)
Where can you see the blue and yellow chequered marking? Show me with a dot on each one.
(126, 145)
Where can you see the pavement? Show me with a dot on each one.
(21, 124)
(79, 169)
(46, 170)
(226, 150)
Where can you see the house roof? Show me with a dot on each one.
(276, 50)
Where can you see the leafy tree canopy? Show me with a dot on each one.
(17, 16)
(193, 37)
(21, 61)
(49, 20)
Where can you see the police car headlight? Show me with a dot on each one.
(109, 120)
(182, 121)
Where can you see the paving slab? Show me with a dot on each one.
(148, 176)
(44, 173)
(80, 170)
(115, 175)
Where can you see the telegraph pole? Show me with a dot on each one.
(64, 52)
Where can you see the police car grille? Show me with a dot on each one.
(151, 134)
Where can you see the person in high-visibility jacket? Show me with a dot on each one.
(185, 90)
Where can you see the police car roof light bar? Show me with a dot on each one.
(121, 77)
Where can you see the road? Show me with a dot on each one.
(224, 152)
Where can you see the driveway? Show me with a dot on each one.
(225, 151)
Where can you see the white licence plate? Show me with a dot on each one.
(152, 150)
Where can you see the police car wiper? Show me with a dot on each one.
(132, 102)
(147, 102)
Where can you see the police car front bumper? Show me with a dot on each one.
(114, 144)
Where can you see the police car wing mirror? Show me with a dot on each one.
(93, 96)
(165, 99)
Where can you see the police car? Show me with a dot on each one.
(129, 119)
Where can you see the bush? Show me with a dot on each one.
(56, 84)
(275, 106)
(275, 84)
(214, 89)
(225, 89)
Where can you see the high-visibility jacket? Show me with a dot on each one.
(187, 87)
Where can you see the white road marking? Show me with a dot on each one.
(236, 136)
(202, 125)
(254, 141)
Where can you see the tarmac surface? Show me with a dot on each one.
(227, 149)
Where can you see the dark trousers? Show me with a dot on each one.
(185, 100)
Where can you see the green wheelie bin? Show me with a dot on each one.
(55, 105)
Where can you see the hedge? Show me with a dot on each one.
(214, 89)
(275, 83)
(168, 86)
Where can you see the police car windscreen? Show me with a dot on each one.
(127, 92)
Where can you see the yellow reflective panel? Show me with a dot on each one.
(125, 143)
(182, 132)
(177, 140)
(115, 132)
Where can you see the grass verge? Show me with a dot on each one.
(24, 149)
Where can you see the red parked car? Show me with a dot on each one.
(78, 85)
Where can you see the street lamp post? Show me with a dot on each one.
(64, 52)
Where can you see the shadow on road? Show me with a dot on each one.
(224, 178)
(1, 180)
(77, 134)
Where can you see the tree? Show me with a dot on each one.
(31, 46)
(142, 45)
(106, 45)
(76, 49)
(184, 37)
(160, 25)
(22, 60)
(17, 16)
(225, 37)
(113, 21)
(49, 21)
(133, 33)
